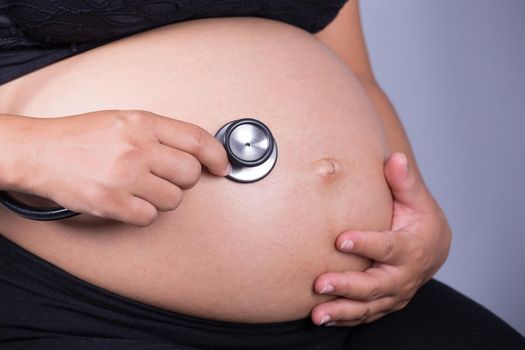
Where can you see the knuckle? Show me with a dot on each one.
(343, 288)
(199, 138)
(364, 315)
(127, 162)
(128, 153)
(125, 143)
(193, 172)
(136, 116)
(103, 203)
(374, 291)
(175, 199)
(389, 248)
(122, 121)
(344, 284)
(99, 194)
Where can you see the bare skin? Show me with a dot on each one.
(368, 295)
(229, 251)
(408, 254)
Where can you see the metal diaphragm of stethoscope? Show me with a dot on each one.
(249, 144)
(251, 149)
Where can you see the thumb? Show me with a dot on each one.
(406, 187)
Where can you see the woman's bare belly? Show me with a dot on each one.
(231, 251)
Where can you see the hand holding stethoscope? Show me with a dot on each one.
(138, 155)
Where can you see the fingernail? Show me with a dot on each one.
(347, 245)
(325, 319)
(332, 323)
(328, 288)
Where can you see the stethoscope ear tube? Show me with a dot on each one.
(34, 213)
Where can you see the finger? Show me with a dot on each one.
(195, 140)
(406, 187)
(128, 209)
(396, 307)
(175, 166)
(355, 323)
(163, 195)
(372, 284)
(384, 246)
(346, 310)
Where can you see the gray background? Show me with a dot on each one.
(455, 71)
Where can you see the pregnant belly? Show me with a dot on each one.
(231, 251)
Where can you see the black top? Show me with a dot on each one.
(36, 33)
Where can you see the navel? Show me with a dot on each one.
(327, 167)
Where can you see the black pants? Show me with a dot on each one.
(44, 307)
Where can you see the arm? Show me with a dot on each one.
(14, 150)
(410, 253)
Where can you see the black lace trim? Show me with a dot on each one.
(34, 33)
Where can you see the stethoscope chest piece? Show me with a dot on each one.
(251, 149)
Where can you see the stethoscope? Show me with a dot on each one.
(249, 144)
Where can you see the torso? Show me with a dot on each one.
(231, 251)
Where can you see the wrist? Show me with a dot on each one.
(19, 152)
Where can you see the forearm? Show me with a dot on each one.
(395, 134)
(16, 150)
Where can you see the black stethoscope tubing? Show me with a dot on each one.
(34, 213)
